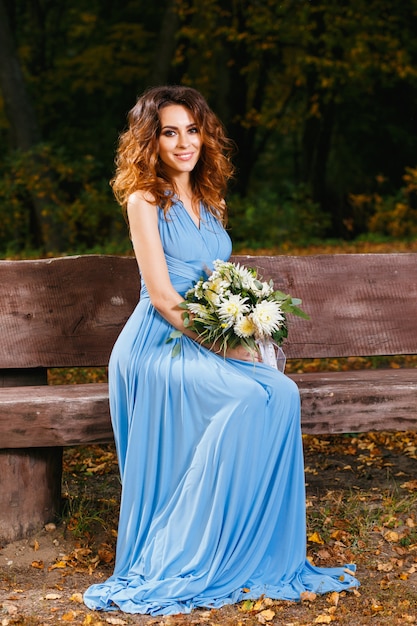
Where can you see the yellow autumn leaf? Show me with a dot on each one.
(333, 598)
(392, 536)
(77, 597)
(36, 545)
(69, 617)
(266, 616)
(98, 468)
(308, 596)
(259, 605)
(38, 564)
(247, 605)
(376, 607)
(315, 538)
(411, 485)
(323, 619)
(339, 535)
(57, 565)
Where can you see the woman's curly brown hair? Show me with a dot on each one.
(138, 166)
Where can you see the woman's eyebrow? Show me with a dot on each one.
(176, 127)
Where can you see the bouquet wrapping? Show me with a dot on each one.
(231, 306)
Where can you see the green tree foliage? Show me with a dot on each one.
(318, 93)
(319, 96)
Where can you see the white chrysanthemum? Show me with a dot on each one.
(231, 308)
(245, 277)
(224, 270)
(196, 290)
(220, 265)
(261, 289)
(244, 326)
(212, 297)
(267, 316)
(198, 309)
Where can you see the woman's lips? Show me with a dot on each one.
(185, 156)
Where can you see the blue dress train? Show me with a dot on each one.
(210, 455)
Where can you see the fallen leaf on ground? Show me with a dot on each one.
(333, 598)
(70, 616)
(323, 619)
(77, 597)
(376, 608)
(411, 485)
(392, 536)
(308, 596)
(58, 565)
(265, 616)
(315, 538)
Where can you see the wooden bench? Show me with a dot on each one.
(67, 312)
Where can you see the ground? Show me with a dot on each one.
(361, 506)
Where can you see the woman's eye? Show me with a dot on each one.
(169, 133)
(194, 129)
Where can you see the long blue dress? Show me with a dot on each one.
(211, 463)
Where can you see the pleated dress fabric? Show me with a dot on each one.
(210, 456)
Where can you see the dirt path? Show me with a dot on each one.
(361, 505)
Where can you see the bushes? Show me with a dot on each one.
(52, 202)
(269, 219)
(392, 215)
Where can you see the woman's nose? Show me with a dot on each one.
(183, 139)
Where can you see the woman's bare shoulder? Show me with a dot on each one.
(141, 197)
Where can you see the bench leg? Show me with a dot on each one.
(30, 490)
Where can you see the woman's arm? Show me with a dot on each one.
(143, 222)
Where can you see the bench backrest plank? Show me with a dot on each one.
(68, 311)
(359, 304)
(64, 312)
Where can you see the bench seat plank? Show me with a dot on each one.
(335, 402)
(358, 401)
(54, 415)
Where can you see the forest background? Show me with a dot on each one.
(320, 97)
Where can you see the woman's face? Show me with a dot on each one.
(179, 141)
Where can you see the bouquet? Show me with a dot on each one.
(232, 307)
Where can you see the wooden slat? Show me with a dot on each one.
(359, 304)
(336, 402)
(69, 311)
(65, 311)
(359, 401)
(54, 415)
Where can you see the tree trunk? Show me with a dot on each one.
(165, 45)
(24, 131)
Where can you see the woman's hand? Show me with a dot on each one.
(243, 354)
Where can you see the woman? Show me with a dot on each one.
(209, 445)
